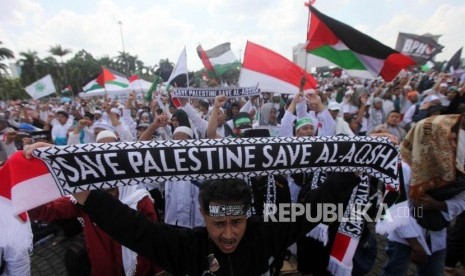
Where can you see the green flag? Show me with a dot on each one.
(152, 88)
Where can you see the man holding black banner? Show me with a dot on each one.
(106, 256)
(229, 245)
(247, 251)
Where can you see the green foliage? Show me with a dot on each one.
(11, 89)
(83, 67)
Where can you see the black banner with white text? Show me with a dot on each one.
(211, 93)
(90, 166)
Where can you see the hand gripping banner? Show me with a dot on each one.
(63, 170)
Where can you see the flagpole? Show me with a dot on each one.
(307, 4)
(187, 71)
(303, 81)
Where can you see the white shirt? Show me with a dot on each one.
(182, 206)
(412, 229)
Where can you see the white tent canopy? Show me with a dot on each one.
(140, 86)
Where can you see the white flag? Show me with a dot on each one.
(180, 68)
(41, 88)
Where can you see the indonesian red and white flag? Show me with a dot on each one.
(272, 72)
(27, 183)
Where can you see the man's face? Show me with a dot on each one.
(234, 111)
(414, 99)
(273, 115)
(203, 109)
(450, 95)
(354, 125)
(226, 232)
(387, 95)
(324, 97)
(164, 99)
(393, 119)
(221, 117)
(61, 118)
(306, 130)
(145, 119)
(140, 130)
(90, 120)
(181, 136)
(277, 99)
(174, 121)
(334, 113)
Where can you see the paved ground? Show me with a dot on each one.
(48, 257)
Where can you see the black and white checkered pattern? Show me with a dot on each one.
(343, 143)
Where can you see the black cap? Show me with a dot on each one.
(43, 134)
(142, 125)
(259, 132)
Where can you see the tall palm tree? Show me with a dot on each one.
(83, 66)
(57, 50)
(5, 53)
(29, 62)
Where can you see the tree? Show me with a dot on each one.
(28, 63)
(11, 89)
(83, 66)
(57, 50)
(5, 53)
(165, 67)
(50, 65)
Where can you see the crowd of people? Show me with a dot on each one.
(174, 227)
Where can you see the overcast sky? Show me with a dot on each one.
(159, 29)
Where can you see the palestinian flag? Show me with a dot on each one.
(344, 46)
(272, 72)
(454, 62)
(107, 80)
(104, 77)
(218, 60)
(68, 90)
(179, 75)
(134, 77)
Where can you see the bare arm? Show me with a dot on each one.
(213, 121)
(160, 121)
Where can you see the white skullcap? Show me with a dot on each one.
(431, 98)
(349, 92)
(334, 106)
(309, 91)
(116, 110)
(185, 130)
(105, 134)
(104, 125)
